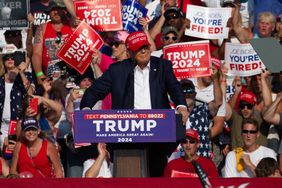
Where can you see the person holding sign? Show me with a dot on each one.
(141, 82)
(49, 37)
(171, 16)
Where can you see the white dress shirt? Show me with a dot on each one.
(142, 96)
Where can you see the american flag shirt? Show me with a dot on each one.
(199, 120)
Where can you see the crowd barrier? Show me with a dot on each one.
(139, 183)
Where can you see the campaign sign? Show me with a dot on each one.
(11, 136)
(102, 15)
(242, 60)
(131, 12)
(179, 174)
(14, 14)
(230, 88)
(115, 126)
(207, 23)
(189, 59)
(76, 51)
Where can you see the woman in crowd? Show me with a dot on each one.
(14, 86)
(35, 154)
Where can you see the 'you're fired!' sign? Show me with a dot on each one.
(207, 23)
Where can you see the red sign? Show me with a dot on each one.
(178, 174)
(102, 15)
(189, 59)
(11, 133)
(76, 51)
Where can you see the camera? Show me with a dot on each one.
(19, 57)
(80, 91)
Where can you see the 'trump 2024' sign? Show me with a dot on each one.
(113, 126)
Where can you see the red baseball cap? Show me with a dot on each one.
(193, 134)
(136, 40)
(248, 96)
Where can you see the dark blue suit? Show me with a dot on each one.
(119, 78)
(119, 81)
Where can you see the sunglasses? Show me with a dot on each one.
(58, 38)
(7, 57)
(172, 17)
(243, 105)
(186, 141)
(189, 90)
(172, 38)
(117, 43)
(249, 131)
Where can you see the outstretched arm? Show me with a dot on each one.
(94, 170)
(270, 114)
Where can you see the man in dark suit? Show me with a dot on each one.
(141, 82)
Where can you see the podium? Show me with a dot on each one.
(139, 140)
(134, 162)
(131, 163)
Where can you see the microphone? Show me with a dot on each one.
(202, 175)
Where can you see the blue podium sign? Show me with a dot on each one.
(117, 126)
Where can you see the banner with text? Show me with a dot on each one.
(76, 51)
(102, 15)
(113, 126)
(14, 14)
(189, 59)
(242, 60)
(207, 23)
(131, 12)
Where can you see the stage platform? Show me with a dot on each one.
(139, 183)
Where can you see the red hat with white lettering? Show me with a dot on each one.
(248, 96)
(193, 134)
(136, 40)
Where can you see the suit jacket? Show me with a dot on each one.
(119, 81)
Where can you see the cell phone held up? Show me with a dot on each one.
(19, 57)
(33, 104)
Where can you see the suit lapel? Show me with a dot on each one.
(152, 81)
(129, 99)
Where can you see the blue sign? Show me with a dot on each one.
(115, 126)
(131, 12)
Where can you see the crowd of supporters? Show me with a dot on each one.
(236, 136)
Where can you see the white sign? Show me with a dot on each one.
(207, 23)
(242, 60)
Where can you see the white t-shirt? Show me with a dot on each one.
(105, 170)
(230, 170)
(206, 95)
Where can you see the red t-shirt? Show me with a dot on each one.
(50, 47)
(40, 161)
(183, 166)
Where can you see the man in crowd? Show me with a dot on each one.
(142, 82)
(250, 156)
(184, 164)
(48, 39)
(200, 115)
(247, 100)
